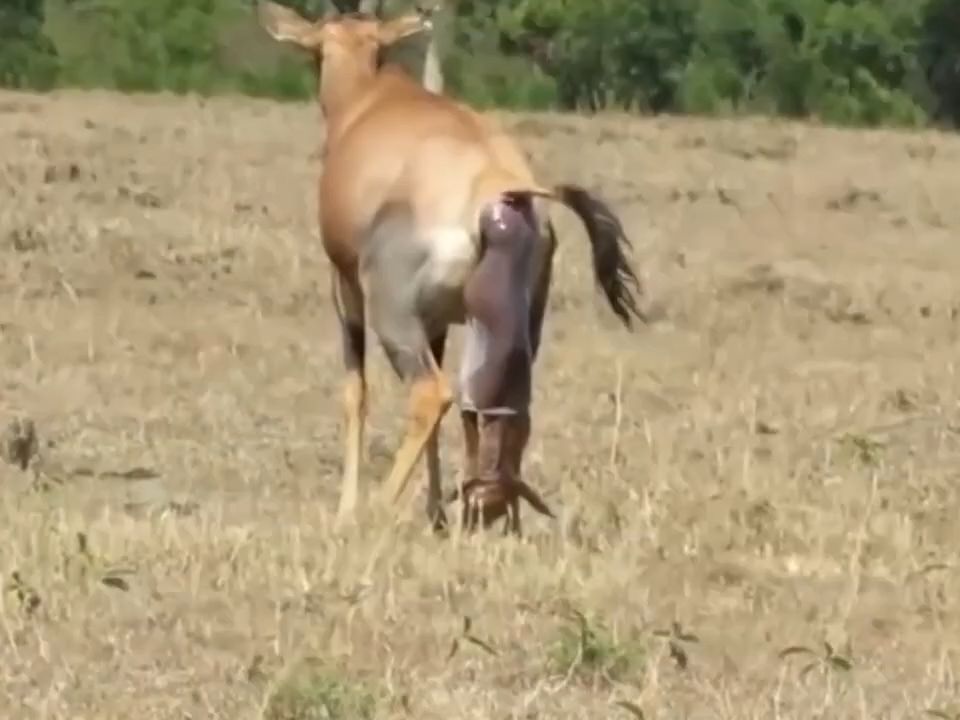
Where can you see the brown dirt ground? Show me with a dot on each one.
(772, 463)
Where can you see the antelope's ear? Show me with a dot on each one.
(397, 29)
(286, 25)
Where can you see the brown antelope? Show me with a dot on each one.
(431, 216)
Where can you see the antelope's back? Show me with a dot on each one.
(405, 144)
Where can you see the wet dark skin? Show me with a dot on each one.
(499, 389)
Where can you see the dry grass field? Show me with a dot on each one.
(771, 464)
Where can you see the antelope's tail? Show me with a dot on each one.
(608, 242)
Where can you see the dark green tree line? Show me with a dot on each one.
(843, 61)
(27, 56)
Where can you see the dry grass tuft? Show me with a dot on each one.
(757, 494)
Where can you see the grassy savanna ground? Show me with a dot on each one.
(772, 463)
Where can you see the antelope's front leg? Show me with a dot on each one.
(348, 303)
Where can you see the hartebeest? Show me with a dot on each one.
(431, 216)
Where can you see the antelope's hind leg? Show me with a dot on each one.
(430, 397)
(392, 266)
(538, 310)
(348, 303)
(435, 513)
(541, 293)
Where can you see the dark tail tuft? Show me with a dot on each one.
(607, 242)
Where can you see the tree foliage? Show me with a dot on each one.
(842, 61)
(27, 57)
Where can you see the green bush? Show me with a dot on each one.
(27, 57)
(845, 61)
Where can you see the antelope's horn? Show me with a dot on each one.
(426, 11)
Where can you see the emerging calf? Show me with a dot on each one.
(431, 216)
